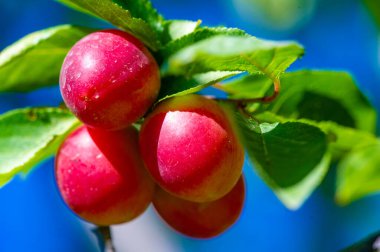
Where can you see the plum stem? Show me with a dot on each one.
(106, 233)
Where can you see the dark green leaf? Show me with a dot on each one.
(292, 157)
(180, 85)
(137, 17)
(359, 174)
(322, 108)
(316, 95)
(35, 60)
(342, 139)
(234, 53)
(369, 244)
(28, 136)
(250, 86)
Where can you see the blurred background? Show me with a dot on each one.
(337, 34)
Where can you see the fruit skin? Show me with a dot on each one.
(190, 148)
(109, 79)
(101, 176)
(201, 220)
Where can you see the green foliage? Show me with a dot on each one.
(312, 94)
(342, 139)
(181, 85)
(234, 53)
(359, 174)
(209, 55)
(319, 115)
(176, 29)
(290, 157)
(137, 17)
(35, 60)
(30, 135)
(198, 34)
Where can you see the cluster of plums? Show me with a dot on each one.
(185, 158)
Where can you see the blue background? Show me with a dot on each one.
(340, 35)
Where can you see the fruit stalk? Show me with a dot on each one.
(106, 234)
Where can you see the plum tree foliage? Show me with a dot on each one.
(133, 122)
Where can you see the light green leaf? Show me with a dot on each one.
(138, 17)
(234, 53)
(250, 86)
(176, 29)
(35, 60)
(198, 34)
(180, 85)
(292, 157)
(28, 136)
(359, 174)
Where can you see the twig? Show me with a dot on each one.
(106, 233)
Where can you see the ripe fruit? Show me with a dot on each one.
(190, 148)
(109, 79)
(101, 176)
(201, 220)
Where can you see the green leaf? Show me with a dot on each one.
(234, 53)
(198, 34)
(292, 157)
(180, 85)
(35, 60)
(342, 139)
(315, 95)
(183, 34)
(369, 244)
(176, 29)
(305, 89)
(359, 174)
(250, 86)
(28, 136)
(138, 17)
